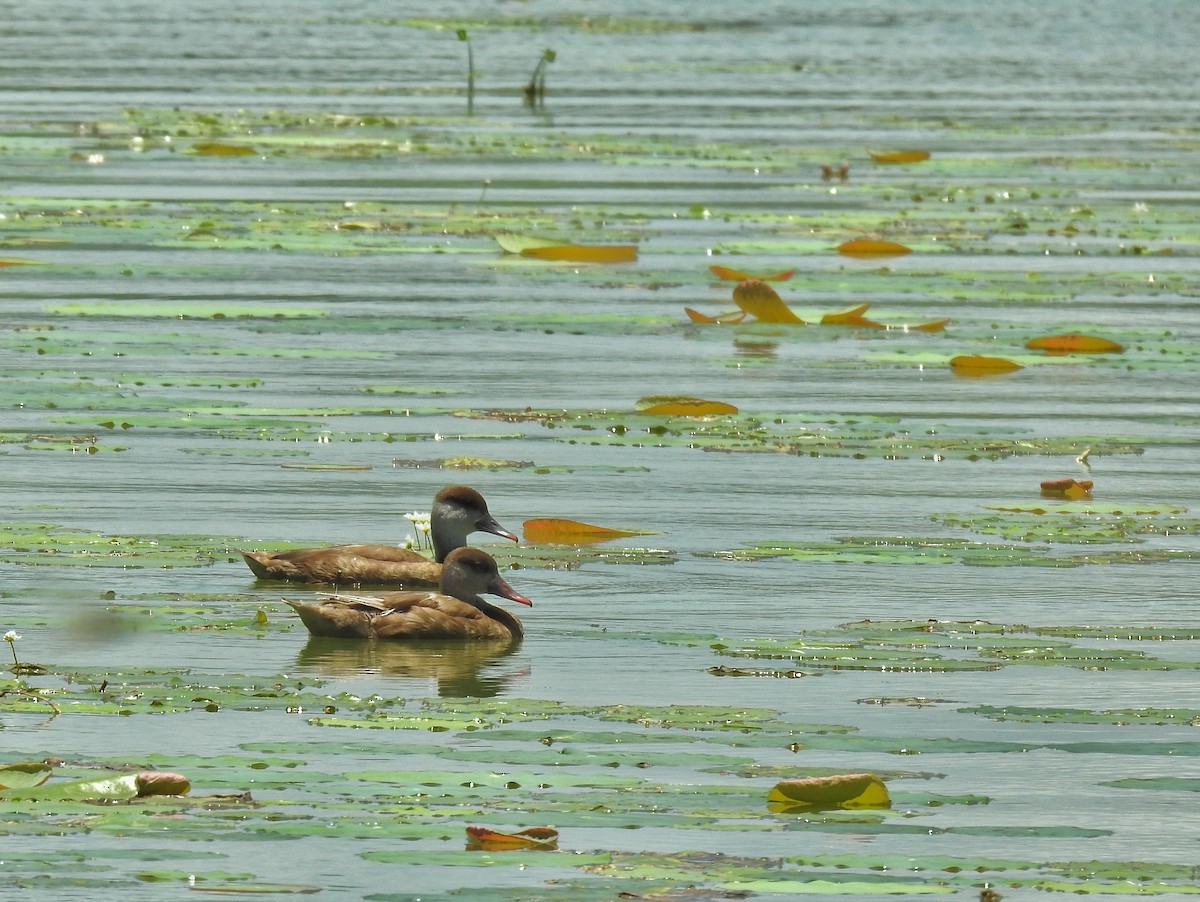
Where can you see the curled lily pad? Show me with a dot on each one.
(982, 365)
(762, 302)
(899, 156)
(1075, 489)
(125, 786)
(24, 775)
(572, 532)
(838, 791)
(734, 275)
(872, 247)
(161, 783)
(544, 838)
(1079, 344)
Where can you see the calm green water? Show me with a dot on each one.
(337, 299)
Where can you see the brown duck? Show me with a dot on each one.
(457, 511)
(454, 612)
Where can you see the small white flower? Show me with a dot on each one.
(11, 636)
(420, 521)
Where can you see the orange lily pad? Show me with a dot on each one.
(221, 149)
(730, 318)
(853, 318)
(554, 531)
(690, 407)
(899, 156)
(1072, 489)
(1074, 343)
(549, 249)
(846, 316)
(733, 275)
(762, 302)
(872, 247)
(981, 365)
(585, 253)
(545, 838)
(837, 791)
(936, 325)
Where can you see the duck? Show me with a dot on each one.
(455, 611)
(458, 511)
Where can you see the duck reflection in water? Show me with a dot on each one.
(766, 350)
(459, 669)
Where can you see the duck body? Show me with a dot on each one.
(457, 511)
(454, 612)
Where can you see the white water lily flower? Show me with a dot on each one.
(422, 523)
(11, 636)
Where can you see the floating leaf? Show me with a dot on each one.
(762, 302)
(518, 244)
(1074, 343)
(125, 786)
(690, 407)
(872, 247)
(981, 365)
(936, 325)
(585, 253)
(545, 249)
(1073, 489)
(545, 838)
(162, 783)
(572, 532)
(846, 317)
(15, 262)
(24, 775)
(221, 149)
(733, 275)
(899, 156)
(697, 317)
(838, 791)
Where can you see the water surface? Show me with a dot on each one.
(699, 136)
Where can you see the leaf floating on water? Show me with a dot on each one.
(221, 149)
(899, 156)
(1074, 343)
(853, 318)
(23, 775)
(721, 318)
(585, 253)
(937, 325)
(517, 244)
(872, 247)
(554, 531)
(1074, 489)
(981, 365)
(546, 249)
(15, 262)
(762, 302)
(125, 786)
(545, 838)
(689, 407)
(837, 791)
(161, 783)
(733, 275)
(846, 316)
